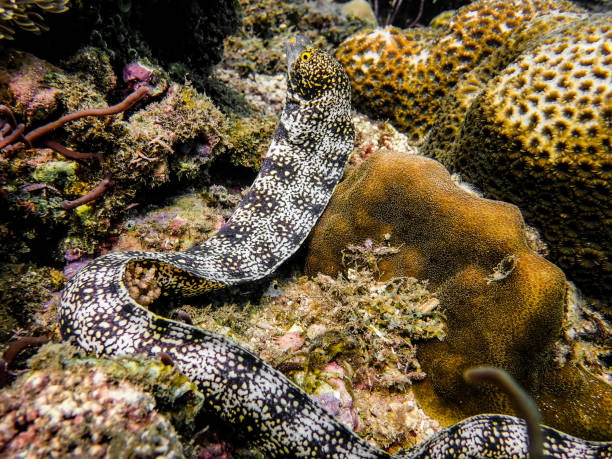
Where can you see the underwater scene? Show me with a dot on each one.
(306, 229)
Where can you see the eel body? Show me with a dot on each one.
(304, 163)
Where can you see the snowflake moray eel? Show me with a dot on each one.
(304, 163)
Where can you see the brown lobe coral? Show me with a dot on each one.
(504, 303)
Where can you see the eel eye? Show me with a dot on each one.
(305, 56)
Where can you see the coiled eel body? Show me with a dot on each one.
(304, 163)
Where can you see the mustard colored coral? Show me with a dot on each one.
(503, 302)
(516, 96)
(404, 75)
(539, 135)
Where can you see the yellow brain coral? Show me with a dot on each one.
(503, 302)
(376, 61)
(516, 96)
(539, 135)
(405, 75)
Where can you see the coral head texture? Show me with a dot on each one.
(503, 302)
(516, 96)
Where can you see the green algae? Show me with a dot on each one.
(55, 172)
(250, 138)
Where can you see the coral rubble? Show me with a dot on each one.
(503, 302)
(516, 97)
(350, 341)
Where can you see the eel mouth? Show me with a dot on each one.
(294, 47)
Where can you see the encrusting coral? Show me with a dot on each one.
(516, 97)
(503, 302)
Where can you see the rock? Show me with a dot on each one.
(503, 302)
(359, 9)
(22, 82)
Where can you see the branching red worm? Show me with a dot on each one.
(117, 108)
(93, 194)
(68, 153)
(17, 132)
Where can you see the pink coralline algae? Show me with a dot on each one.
(72, 268)
(138, 75)
(33, 98)
(335, 397)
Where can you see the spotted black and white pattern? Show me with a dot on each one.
(304, 163)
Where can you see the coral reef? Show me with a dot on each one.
(360, 9)
(169, 140)
(7, 373)
(351, 340)
(183, 222)
(586, 337)
(504, 304)
(514, 96)
(131, 30)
